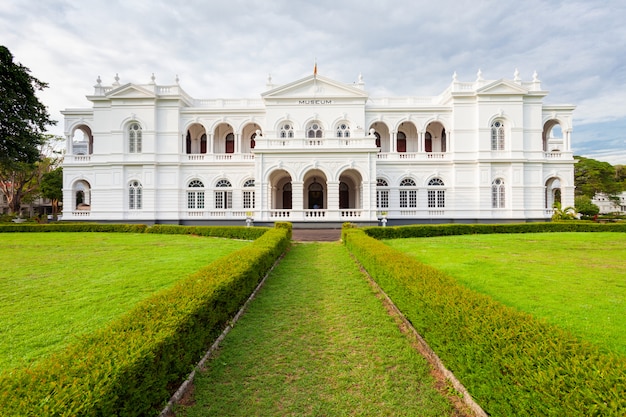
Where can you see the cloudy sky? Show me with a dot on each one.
(227, 48)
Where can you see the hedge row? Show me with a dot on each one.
(131, 367)
(428, 230)
(72, 227)
(510, 362)
(231, 232)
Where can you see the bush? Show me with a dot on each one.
(511, 363)
(131, 367)
(231, 232)
(72, 227)
(400, 232)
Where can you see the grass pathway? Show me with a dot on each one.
(316, 342)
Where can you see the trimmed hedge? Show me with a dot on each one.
(512, 363)
(73, 227)
(131, 367)
(231, 232)
(428, 230)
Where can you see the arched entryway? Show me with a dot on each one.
(82, 141)
(280, 182)
(315, 190)
(553, 192)
(82, 195)
(350, 183)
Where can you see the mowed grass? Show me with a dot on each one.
(316, 342)
(574, 280)
(55, 287)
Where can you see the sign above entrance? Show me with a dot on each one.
(314, 102)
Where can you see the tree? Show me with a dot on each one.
(585, 207)
(17, 181)
(21, 181)
(23, 118)
(52, 188)
(592, 177)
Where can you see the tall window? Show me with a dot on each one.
(408, 193)
(195, 195)
(498, 193)
(286, 130)
(248, 194)
(401, 142)
(314, 130)
(223, 195)
(382, 194)
(436, 198)
(497, 136)
(230, 143)
(343, 130)
(428, 142)
(134, 138)
(253, 141)
(134, 195)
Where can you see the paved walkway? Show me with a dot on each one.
(316, 235)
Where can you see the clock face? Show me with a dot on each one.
(315, 126)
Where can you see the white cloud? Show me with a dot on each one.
(403, 47)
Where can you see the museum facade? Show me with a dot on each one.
(316, 151)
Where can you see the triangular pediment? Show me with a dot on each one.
(130, 91)
(317, 87)
(502, 87)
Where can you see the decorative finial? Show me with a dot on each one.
(117, 79)
(315, 68)
(454, 77)
(479, 75)
(269, 78)
(99, 80)
(360, 78)
(152, 78)
(177, 79)
(535, 76)
(516, 77)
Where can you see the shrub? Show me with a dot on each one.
(511, 363)
(427, 230)
(131, 367)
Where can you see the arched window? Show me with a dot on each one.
(203, 143)
(195, 195)
(343, 130)
(134, 195)
(382, 194)
(134, 138)
(401, 141)
(230, 143)
(223, 195)
(314, 130)
(248, 194)
(436, 198)
(252, 141)
(408, 193)
(498, 193)
(428, 142)
(497, 136)
(286, 130)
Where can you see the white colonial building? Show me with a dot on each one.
(316, 151)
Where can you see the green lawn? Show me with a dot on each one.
(57, 286)
(574, 280)
(316, 342)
